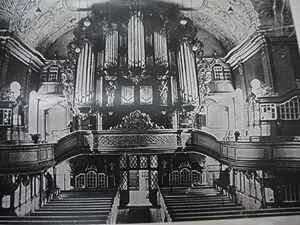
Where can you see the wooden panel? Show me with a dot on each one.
(23, 156)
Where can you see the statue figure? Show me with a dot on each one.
(163, 92)
(110, 92)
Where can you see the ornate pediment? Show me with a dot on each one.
(137, 121)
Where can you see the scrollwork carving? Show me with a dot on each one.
(110, 92)
(136, 121)
(204, 78)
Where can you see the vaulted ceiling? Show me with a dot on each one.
(40, 29)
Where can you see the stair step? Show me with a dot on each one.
(81, 200)
(199, 206)
(206, 209)
(219, 211)
(58, 213)
(214, 217)
(197, 200)
(77, 207)
(65, 217)
(272, 210)
(78, 203)
(51, 222)
(187, 204)
(223, 212)
(183, 196)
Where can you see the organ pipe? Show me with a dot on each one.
(111, 49)
(85, 75)
(160, 48)
(136, 41)
(99, 90)
(187, 74)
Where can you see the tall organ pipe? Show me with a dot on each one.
(136, 41)
(111, 48)
(85, 75)
(160, 48)
(187, 74)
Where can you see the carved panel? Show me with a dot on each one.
(231, 152)
(286, 152)
(43, 155)
(257, 153)
(137, 140)
(23, 156)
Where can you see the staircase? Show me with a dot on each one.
(71, 207)
(206, 203)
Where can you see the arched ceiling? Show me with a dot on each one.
(40, 30)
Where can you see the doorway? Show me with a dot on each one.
(138, 184)
(139, 188)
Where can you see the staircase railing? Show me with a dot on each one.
(164, 214)
(112, 217)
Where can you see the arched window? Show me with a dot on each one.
(50, 74)
(185, 176)
(15, 87)
(53, 74)
(91, 179)
(290, 110)
(255, 85)
(80, 181)
(175, 178)
(101, 180)
(221, 73)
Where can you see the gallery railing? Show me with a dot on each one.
(241, 154)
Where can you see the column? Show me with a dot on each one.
(295, 6)
(54, 178)
(175, 120)
(4, 61)
(99, 121)
(41, 189)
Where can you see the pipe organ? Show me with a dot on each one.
(135, 63)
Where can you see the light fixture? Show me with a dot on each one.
(77, 50)
(38, 10)
(183, 21)
(87, 22)
(195, 48)
(230, 10)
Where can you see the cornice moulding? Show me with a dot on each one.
(245, 50)
(19, 50)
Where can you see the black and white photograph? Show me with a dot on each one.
(149, 112)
